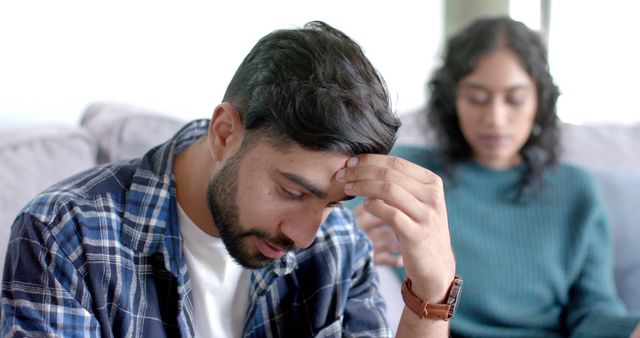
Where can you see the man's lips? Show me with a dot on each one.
(268, 250)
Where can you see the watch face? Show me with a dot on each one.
(454, 294)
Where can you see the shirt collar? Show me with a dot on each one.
(150, 216)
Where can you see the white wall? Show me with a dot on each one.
(177, 57)
(594, 54)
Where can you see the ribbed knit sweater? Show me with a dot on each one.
(539, 268)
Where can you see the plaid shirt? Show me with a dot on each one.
(100, 255)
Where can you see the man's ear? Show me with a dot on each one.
(225, 131)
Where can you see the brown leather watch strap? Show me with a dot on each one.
(433, 311)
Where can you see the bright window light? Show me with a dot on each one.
(593, 54)
(178, 57)
(527, 11)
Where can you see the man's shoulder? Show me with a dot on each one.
(339, 239)
(340, 218)
(86, 193)
(340, 225)
(80, 213)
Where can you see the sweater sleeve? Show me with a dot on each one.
(594, 309)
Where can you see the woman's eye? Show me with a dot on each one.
(476, 100)
(516, 98)
(515, 103)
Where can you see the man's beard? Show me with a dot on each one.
(221, 199)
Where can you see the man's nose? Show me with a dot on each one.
(302, 227)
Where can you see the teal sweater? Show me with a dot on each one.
(543, 268)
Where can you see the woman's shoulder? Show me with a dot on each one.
(564, 170)
(571, 178)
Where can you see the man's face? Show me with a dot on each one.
(266, 202)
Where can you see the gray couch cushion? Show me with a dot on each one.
(602, 147)
(620, 190)
(33, 159)
(125, 131)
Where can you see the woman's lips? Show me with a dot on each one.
(494, 141)
(269, 250)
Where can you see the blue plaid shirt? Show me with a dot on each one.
(100, 255)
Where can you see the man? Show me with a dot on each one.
(231, 227)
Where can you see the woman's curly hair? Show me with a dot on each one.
(462, 53)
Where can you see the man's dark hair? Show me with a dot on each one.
(462, 53)
(315, 87)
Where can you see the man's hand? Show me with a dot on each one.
(386, 248)
(410, 199)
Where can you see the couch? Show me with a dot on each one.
(33, 158)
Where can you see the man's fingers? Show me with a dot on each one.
(395, 196)
(408, 168)
(366, 221)
(402, 225)
(390, 174)
(384, 174)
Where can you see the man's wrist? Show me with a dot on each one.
(442, 310)
(433, 290)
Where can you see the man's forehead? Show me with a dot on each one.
(304, 158)
(314, 170)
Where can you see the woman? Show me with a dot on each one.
(531, 238)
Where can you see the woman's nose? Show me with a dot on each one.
(496, 114)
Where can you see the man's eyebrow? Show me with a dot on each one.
(305, 183)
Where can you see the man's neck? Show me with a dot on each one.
(192, 168)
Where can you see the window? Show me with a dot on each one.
(594, 55)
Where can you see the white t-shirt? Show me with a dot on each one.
(220, 286)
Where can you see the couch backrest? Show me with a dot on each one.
(125, 131)
(602, 147)
(31, 159)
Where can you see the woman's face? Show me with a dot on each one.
(496, 106)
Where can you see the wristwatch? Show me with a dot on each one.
(425, 309)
